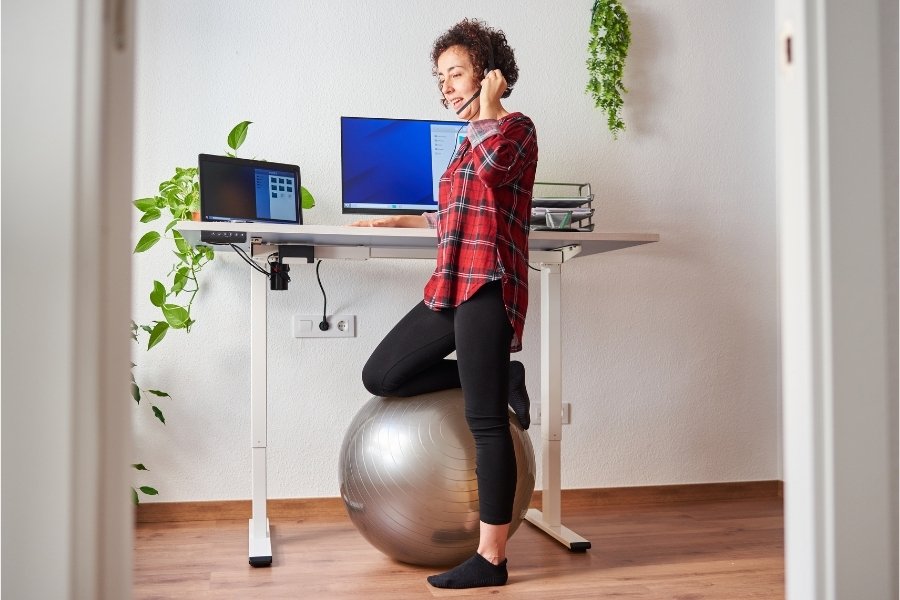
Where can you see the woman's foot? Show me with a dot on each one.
(518, 395)
(477, 571)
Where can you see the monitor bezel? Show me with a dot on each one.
(247, 162)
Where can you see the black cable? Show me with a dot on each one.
(456, 145)
(324, 324)
(533, 268)
(243, 254)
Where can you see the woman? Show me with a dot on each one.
(475, 301)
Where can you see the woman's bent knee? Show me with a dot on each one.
(372, 379)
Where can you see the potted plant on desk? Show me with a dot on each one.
(179, 196)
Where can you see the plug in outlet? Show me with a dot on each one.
(339, 326)
(566, 414)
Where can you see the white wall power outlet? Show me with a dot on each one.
(339, 326)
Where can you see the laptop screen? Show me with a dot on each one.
(393, 166)
(237, 189)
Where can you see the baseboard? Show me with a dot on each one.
(667, 494)
(289, 509)
(311, 509)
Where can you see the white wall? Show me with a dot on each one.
(670, 352)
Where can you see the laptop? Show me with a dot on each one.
(250, 191)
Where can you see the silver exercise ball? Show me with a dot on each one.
(407, 475)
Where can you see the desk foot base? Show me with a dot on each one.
(561, 533)
(260, 561)
(260, 548)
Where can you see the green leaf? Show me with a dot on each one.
(159, 414)
(140, 467)
(181, 278)
(306, 199)
(171, 224)
(134, 497)
(157, 334)
(148, 490)
(159, 393)
(193, 200)
(175, 315)
(182, 258)
(147, 241)
(151, 215)
(144, 204)
(238, 135)
(167, 188)
(136, 393)
(181, 243)
(158, 295)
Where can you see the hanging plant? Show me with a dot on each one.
(607, 51)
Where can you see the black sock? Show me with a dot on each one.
(518, 395)
(477, 571)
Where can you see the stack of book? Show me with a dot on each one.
(562, 207)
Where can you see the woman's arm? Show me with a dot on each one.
(395, 221)
(501, 155)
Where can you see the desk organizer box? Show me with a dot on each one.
(562, 207)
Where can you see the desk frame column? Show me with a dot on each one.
(549, 519)
(260, 553)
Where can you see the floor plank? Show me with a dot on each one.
(709, 550)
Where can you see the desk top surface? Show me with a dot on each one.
(399, 237)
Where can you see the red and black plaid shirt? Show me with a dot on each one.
(484, 209)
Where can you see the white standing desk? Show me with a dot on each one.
(550, 249)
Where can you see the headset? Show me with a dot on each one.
(490, 67)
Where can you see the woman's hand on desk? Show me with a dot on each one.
(395, 221)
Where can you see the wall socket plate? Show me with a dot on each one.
(307, 326)
(566, 414)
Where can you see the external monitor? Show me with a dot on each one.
(238, 189)
(393, 166)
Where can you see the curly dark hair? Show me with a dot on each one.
(483, 43)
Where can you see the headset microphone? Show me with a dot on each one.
(469, 101)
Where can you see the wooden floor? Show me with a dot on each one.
(726, 550)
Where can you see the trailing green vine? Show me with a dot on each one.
(178, 196)
(607, 51)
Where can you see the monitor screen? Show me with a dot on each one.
(238, 189)
(393, 166)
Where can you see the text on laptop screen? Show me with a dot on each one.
(395, 165)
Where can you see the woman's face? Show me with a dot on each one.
(456, 76)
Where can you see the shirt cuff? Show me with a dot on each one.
(481, 130)
(431, 218)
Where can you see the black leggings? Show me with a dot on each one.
(411, 360)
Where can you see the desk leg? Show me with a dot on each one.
(549, 519)
(260, 542)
